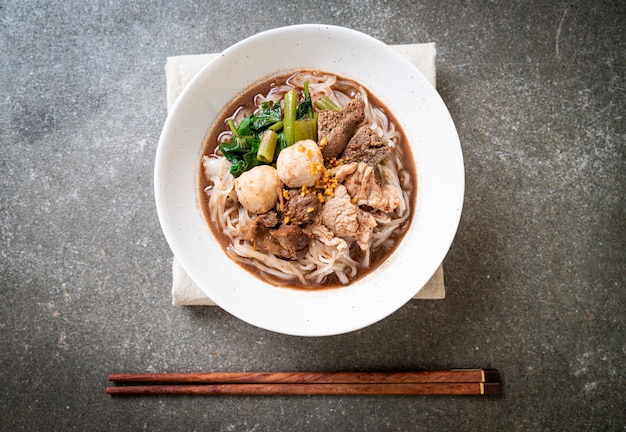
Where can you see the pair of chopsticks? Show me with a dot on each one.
(442, 382)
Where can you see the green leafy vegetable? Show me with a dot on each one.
(243, 147)
(269, 114)
(261, 136)
(241, 157)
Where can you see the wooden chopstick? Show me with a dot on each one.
(311, 389)
(441, 376)
(444, 382)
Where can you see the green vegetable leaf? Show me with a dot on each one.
(269, 114)
(244, 127)
(241, 152)
(237, 167)
(237, 145)
(305, 109)
(251, 160)
(281, 143)
(255, 124)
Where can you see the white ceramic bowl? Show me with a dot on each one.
(428, 127)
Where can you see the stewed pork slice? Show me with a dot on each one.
(284, 241)
(335, 128)
(360, 182)
(298, 206)
(294, 243)
(365, 146)
(345, 219)
(320, 232)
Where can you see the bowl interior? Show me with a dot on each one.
(428, 128)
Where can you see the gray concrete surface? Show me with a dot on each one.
(535, 276)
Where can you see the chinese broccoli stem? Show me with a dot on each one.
(307, 95)
(267, 146)
(324, 103)
(233, 128)
(289, 116)
(276, 126)
(305, 129)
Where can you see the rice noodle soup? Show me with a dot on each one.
(307, 181)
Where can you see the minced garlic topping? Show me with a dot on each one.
(326, 183)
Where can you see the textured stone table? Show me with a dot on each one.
(535, 277)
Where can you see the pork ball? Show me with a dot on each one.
(298, 165)
(258, 189)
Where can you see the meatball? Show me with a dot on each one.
(299, 165)
(258, 189)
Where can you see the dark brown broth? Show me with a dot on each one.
(245, 101)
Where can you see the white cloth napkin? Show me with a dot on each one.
(179, 70)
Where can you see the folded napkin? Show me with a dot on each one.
(179, 70)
